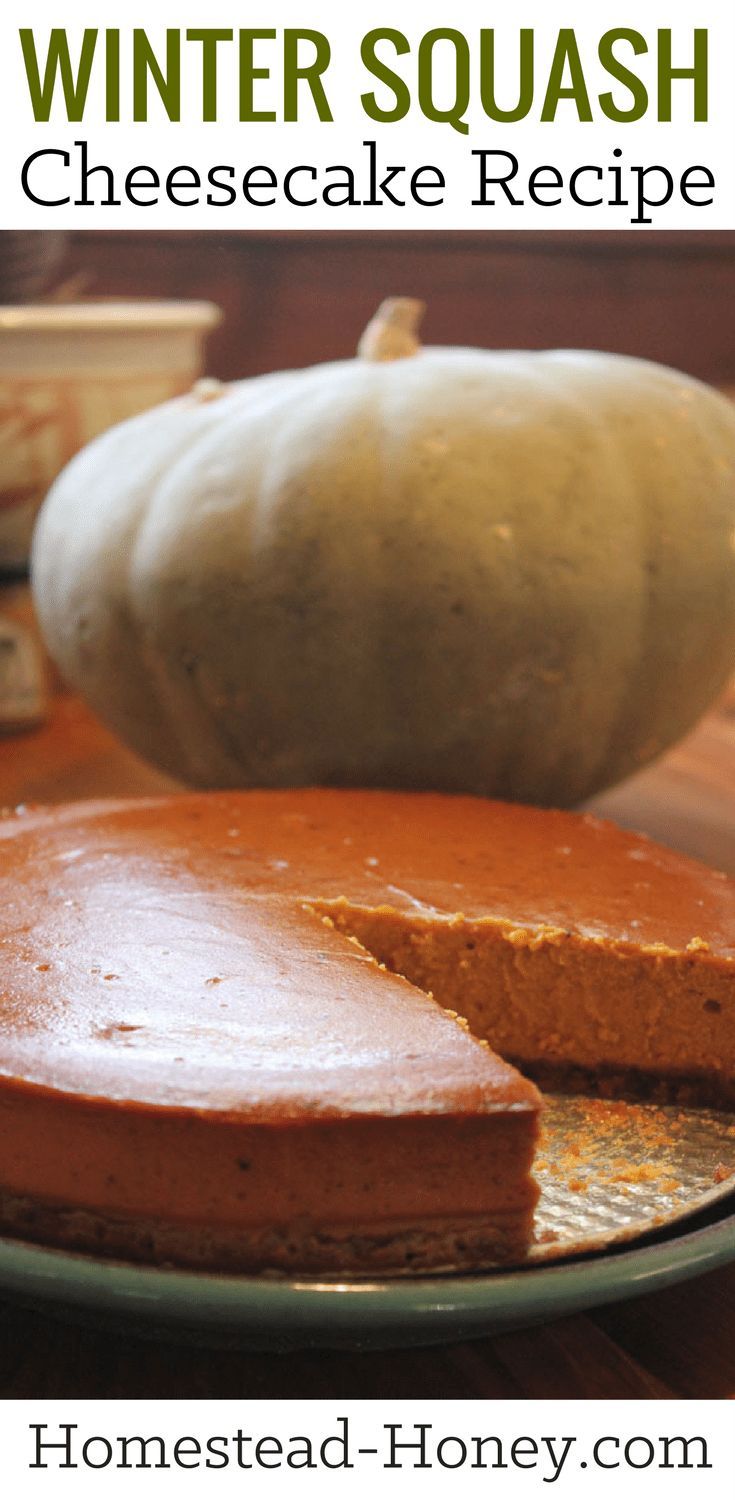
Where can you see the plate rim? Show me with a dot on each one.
(422, 1309)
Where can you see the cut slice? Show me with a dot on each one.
(571, 1011)
(579, 949)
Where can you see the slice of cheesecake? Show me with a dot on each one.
(202, 1061)
(580, 950)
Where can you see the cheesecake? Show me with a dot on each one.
(298, 1030)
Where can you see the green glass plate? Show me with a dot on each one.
(260, 1313)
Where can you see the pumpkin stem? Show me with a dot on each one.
(392, 332)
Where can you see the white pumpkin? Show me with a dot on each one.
(506, 573)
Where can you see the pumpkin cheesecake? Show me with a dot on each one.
(219, 1046)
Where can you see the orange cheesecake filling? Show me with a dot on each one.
(554, 1002)
(202, 1059)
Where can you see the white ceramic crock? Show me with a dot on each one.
(67, 372)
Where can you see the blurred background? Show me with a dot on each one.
(292, 298)
(95, 326)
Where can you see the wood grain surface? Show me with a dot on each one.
(679, 1342)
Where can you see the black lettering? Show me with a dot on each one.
(557, 1463)
(240, 1440)
(180, 178)
(501, 181)
(302, 1453)
(447, 1463)
(648, 1449)
(42, 203)
(536, 185)
(373, 201)
(141, 1461)
(42, 1444)
(215, 1452)
(643, 201)
(574, 179)
(268, 1447)
(435, 182)
(524, 1447)
(86, 172)
(288, 179)
(689, 186)
(250, 185)
(133, 186)
(667, 1444)
(187, 1447)
(106, 1448)
(617, 174)
(215, 181)
(596, 1452)
(341, 193)
(395, 1427)
(340, 1440)
(479, 1462)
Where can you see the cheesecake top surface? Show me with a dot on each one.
(154, 953)
(163, 951)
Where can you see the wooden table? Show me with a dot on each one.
(680, 1342)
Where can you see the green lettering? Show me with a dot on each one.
(487, 77)
(386, 75)
(58, 63)
(697, 72)
(146, 65)
(248, 74)
(616, 69)
(311, 73)
(454, 113)
(112, 75)
(566, 52)
(210, 40)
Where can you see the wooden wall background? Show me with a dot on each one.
(292, 298)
